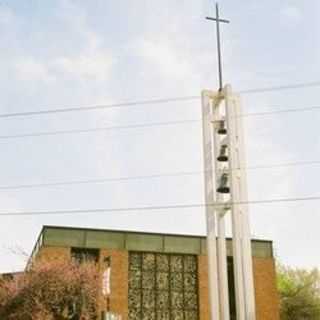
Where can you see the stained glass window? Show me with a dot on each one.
(163, 286)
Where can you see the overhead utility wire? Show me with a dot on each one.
(154, 208)
(111, 128)
(284, 87)
(146, 125)
(152, 101)
(97, 181)
(281, 165)
(98, 107)
(144, 177)
(265, 113)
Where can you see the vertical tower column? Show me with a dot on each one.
(210, 218)
(218, 141)
(217, 252)
(243, 270)
(244, 212)
(226, 191)
(235, 199)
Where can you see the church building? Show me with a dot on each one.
(159, 276)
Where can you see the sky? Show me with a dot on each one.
(63, 53)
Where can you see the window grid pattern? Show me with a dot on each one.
(163, 286)
(81, 255)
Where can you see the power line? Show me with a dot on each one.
(112, 128)
(145, 177)
(99, 107)
(151, 101)
(97, 181)
(255, 114)
(148, 125)
(155, 208)
(287, 164)
(284, 87)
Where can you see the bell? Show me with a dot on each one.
(223, 186)
(223, 153)
(222, 129)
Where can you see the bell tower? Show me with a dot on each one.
(226, 193)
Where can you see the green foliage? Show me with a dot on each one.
(299, 291)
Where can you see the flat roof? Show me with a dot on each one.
(134, 231)
(63, 236)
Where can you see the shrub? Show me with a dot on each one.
(52, 291)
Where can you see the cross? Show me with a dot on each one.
(218, 20)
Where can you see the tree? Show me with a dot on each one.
(55, 290)
(299, 291)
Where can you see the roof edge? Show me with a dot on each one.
(136, 232)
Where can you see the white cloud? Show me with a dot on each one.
(6, 16)
(88, 60)
(93, 61)
(96, 65)
(292, 13)
(31, 70)
(166, 59)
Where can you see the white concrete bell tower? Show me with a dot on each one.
(226, 193)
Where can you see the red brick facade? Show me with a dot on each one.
(267, 300)
(267, 306)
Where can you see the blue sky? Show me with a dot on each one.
(79, 53)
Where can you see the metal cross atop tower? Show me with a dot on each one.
(226, 194)
(218, 20)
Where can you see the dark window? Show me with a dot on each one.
(232, 295)
(84, 254)
(163, 286)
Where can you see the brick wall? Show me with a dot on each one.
(267, 300)
(54, 253)
(119, 281)
(204, 311)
